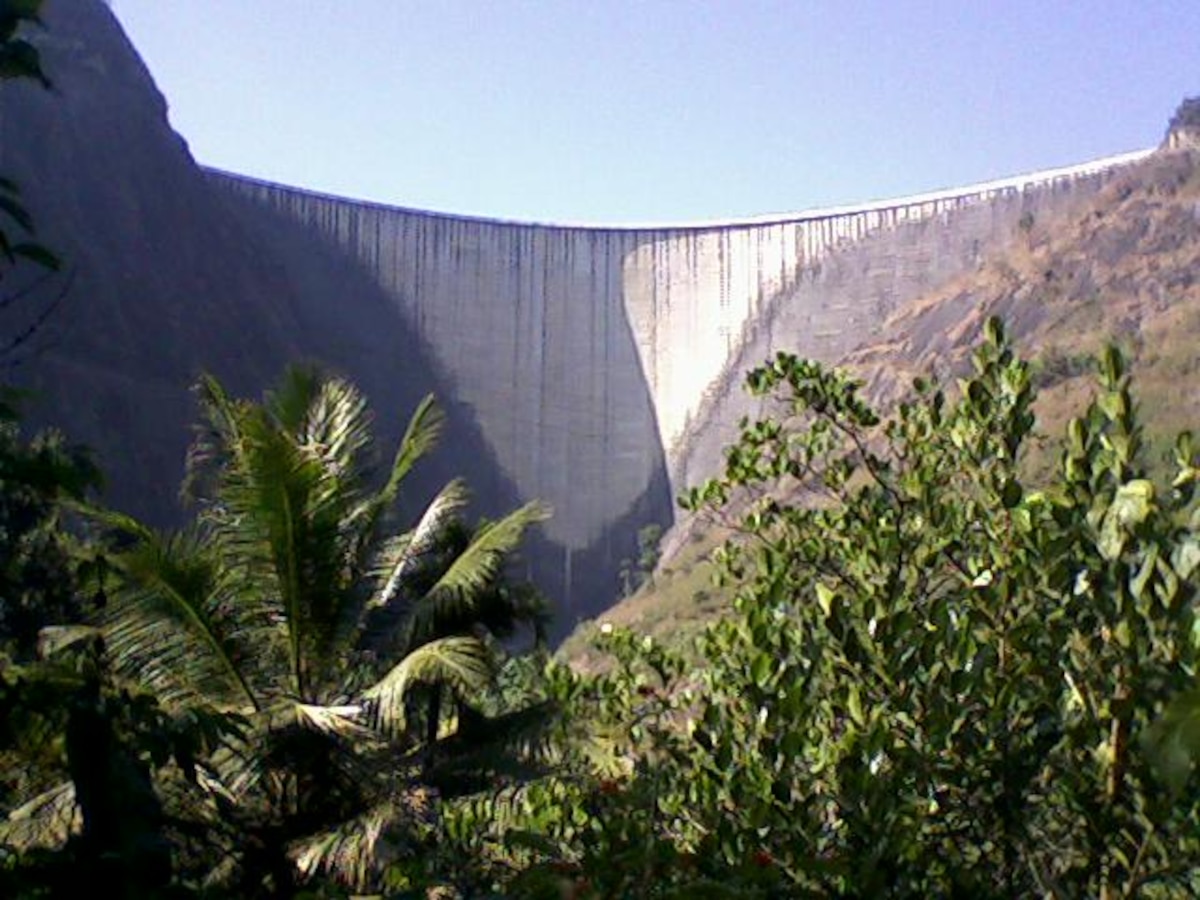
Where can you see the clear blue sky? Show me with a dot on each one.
(625, 111)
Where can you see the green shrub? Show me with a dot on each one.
(937, 681)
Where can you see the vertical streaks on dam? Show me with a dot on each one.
(529, 328)
(591, 356)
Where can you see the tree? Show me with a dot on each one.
(104, 772)
(635, 573)
(974, 661)
(38, 581)
(290, 602)
(937, 680)
(337, 664)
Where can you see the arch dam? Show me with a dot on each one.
(595, 357)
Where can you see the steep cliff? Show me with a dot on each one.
(166, 277)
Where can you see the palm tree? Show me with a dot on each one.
(292, 603)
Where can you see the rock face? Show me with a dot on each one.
(1183, 132)
(166, 278)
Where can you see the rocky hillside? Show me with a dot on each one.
(1126, 268)
(166, 276)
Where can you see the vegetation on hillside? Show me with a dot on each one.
(936, 680)
(1122, 269)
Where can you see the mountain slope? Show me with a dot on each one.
(1125, 268)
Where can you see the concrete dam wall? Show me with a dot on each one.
(591, 355)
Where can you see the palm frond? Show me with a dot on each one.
(473, 570)
(516, 746)
(168, 610)
(266, 538)
(46, 821)
(164, 627)
(464, 664)
(336, 428)
(237, 770)
(113, 520)
(422, 434)
(337, 721)
(353, 851)
(347, 852)
(328, 440)
(217, 438)
(401, 557)
(290, 402)
(56, 638)
(333, 745)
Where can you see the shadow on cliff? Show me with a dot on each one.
(167, 277)
(350, 327)
(161, 282)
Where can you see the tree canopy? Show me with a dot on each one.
(936, 680)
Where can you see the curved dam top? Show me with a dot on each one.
(590, 352)
(1011, 182)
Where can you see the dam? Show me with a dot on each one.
(592, 356)
(597, 368)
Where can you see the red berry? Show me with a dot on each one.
(763, 859)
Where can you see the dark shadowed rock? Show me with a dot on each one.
(167, 276)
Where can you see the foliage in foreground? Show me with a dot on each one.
(343, 661)
(937, 681)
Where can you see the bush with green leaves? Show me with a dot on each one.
(937, 680)
(38, 575)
